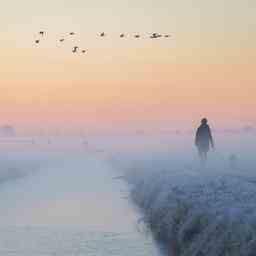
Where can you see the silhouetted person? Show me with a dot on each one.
(203, 139)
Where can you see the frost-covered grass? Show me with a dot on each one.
(16, 165)
(12, 169)
(196, 211)
(200, 212)
(9, 172)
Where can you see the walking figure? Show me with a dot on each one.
(203, 140)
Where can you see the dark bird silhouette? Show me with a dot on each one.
(122, 35)
(137, 36)
(41, 33)
(167, 36)
(84, 51)
(62, 40)
(75, 49)
(102, 34)
(155, 35)
(37, 41)
(72, 33)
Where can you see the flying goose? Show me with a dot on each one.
(75, 49)
(155, 35)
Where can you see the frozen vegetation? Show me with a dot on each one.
(191, 211)
(13, 168)
(198, 214)
(195, 211)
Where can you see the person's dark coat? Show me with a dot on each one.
(204, 138)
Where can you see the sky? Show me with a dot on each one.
(205, 69)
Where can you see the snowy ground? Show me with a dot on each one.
(59, 197)
(197, 211)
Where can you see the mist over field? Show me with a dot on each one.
(194, 209)
(129, 186)
(101, 104)
(59, 197)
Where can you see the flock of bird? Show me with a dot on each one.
(102, 34)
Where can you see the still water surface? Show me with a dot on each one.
(70, 205)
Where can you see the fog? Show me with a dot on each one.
(70, 182)
(195, 209)
(59, 196)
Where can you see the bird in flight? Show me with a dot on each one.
(75, 49)
(155, 35)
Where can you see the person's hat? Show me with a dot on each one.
(204, 121)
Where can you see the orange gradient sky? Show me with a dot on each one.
(207, 68)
